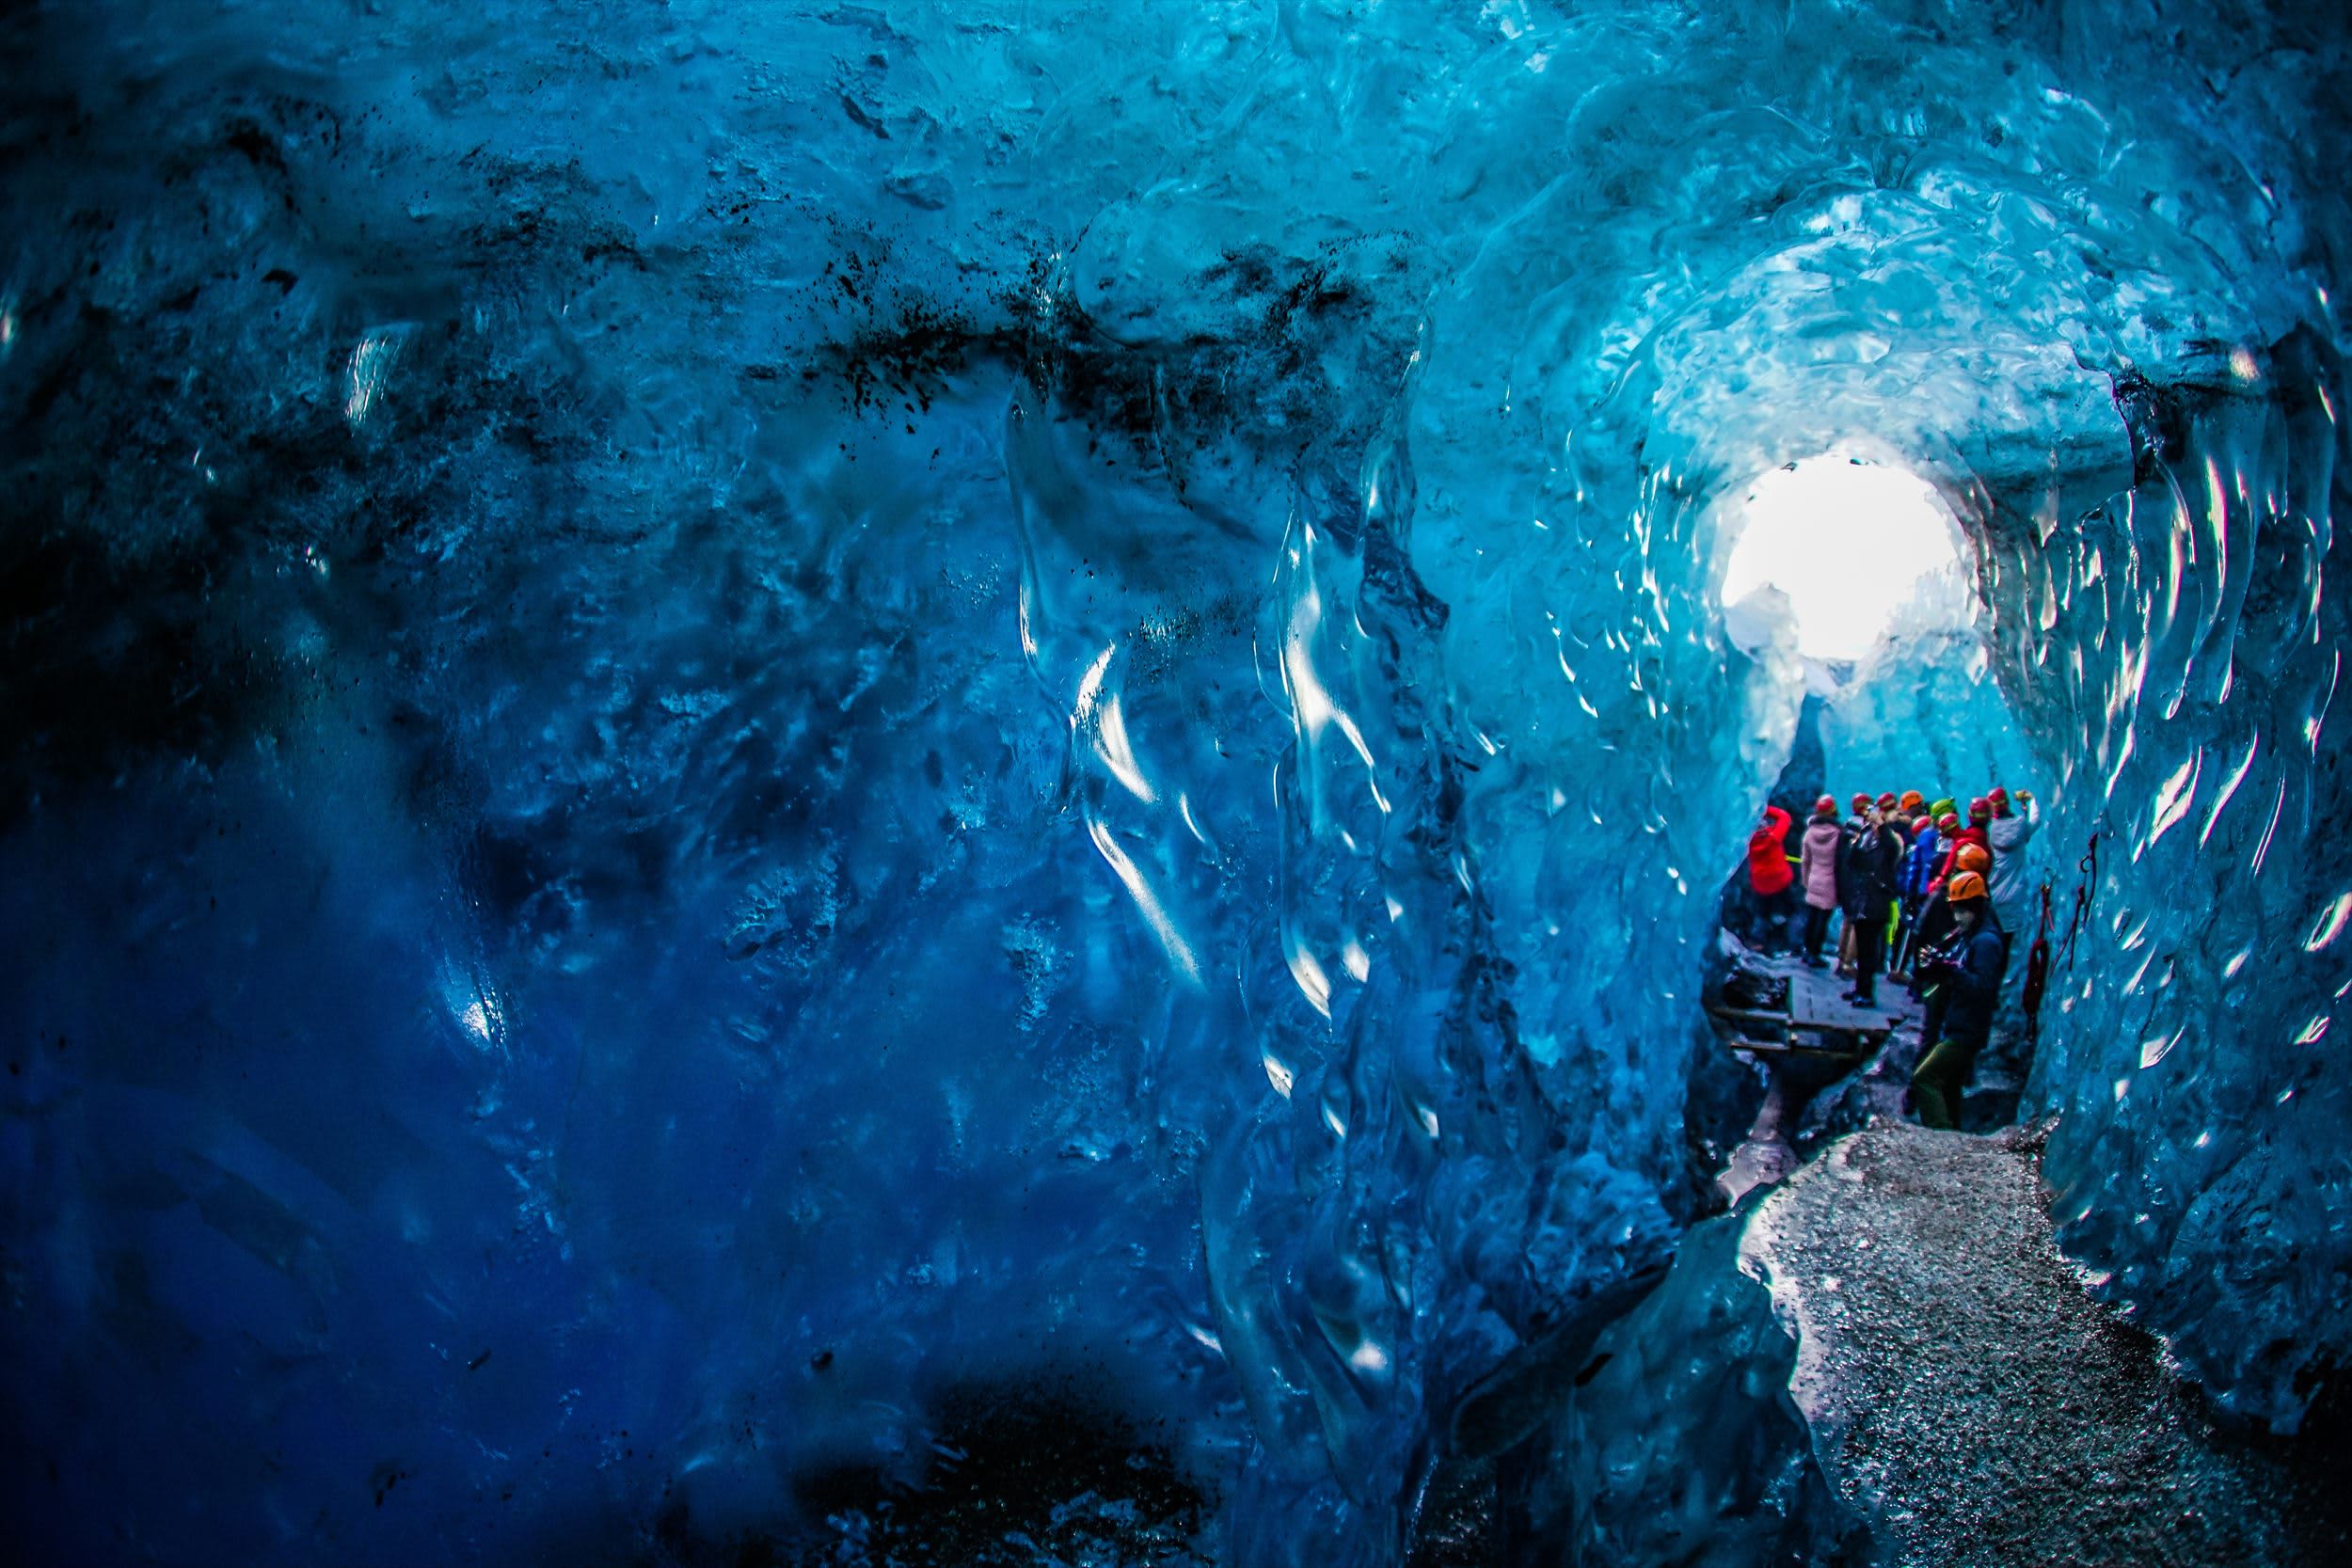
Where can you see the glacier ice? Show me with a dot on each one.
(724, 717)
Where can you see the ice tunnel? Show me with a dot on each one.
(921, 782)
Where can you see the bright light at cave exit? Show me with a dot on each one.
(1847, 543)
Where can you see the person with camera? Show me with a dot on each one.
(1964, 972)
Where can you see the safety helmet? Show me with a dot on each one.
(1948, 823)
(1886, 800)
(1996, 796)
(1913, 801)
(1861, 803)
(1826, 804)
(1973, 858)
(1966, 887)
(1980, 809)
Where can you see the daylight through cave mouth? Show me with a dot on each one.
(1845, 546)
(754, 752)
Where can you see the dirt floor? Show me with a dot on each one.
(1970, 1398)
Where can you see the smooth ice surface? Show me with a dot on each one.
(1681, 1444)
(722, 713)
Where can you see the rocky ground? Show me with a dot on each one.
(1977, 1406)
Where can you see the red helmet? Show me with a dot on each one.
(1948, 823)
(1886, 800)
(1980, 809)
(1826, 804)
(1861, 803)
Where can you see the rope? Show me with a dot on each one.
(2085, 889)
(2037, 969)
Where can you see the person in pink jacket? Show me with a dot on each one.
(1817, 870)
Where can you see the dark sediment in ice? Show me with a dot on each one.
(1014, 1474)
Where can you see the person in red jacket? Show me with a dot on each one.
(1771, 880)
(1979, 814)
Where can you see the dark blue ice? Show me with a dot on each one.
(726, 720)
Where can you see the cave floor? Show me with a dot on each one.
(1970, 1398)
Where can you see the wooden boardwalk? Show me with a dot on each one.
(1816, 1001)
(1815, 1038)
(1817, 1019)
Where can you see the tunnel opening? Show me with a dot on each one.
(1878, 684)
(1854, 551)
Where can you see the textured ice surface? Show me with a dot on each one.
(720, 714)
(1680, 1443)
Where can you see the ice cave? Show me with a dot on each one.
(965, 782)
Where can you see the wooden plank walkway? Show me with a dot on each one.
(1815, 1038)
(1816, 1001)
(1818, 1019)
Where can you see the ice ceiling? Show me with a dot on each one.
(722, 715)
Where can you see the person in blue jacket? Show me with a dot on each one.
(1918, 869)
(1967, 971)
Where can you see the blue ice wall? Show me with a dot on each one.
(722, 714)
(2194, 1089)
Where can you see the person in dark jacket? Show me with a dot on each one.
(1967, 971)
(1911, 888)
(1936, 925)
(1771, 879)
(1899, 827)
(1872, 866)
(1850, 836)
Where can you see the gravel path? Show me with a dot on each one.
(1975, 1405)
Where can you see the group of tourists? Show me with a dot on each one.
(1923, 896)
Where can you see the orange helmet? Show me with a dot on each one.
(1973, 858)
(1966, 887)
